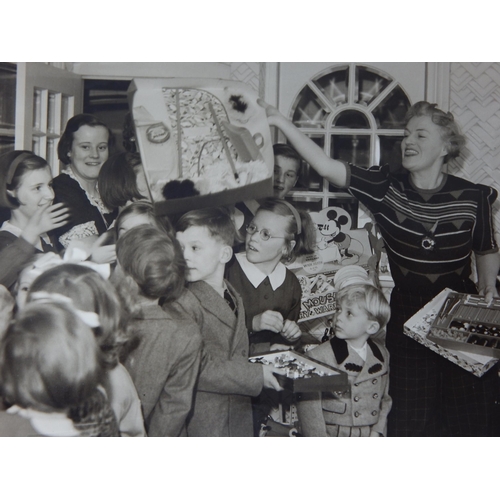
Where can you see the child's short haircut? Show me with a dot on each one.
(217, 220)
(49, 359)
(154, 260)
(286, 151)
(144, 208)
(368, 297)
(89, 292)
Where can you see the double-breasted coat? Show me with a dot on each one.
(324, 414)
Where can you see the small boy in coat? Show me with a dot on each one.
(362, 312)
(227, 380)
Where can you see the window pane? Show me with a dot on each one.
(390, 113)
(351, 148)
(6, 144)
(369, 85)
(309, 111)
(36, 145)
(334, 86)
(51, 114)
(37, 109)
(64, 111)
(351, 119)
(7, 96)
(309, 179)
(51, 156)
(309, 204)
(390, 152)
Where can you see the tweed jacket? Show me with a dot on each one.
(164, 367)
(369, 402)
(222, 403)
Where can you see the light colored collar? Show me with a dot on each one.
(7, 226)
(16, 231)
(256, 276)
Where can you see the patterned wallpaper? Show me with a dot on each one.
(252, 73)
(475, 102)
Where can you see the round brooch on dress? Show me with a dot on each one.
(428, 243)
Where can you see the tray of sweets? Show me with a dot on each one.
(304, 374)
(469, 323)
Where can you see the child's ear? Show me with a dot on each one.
(373, 328)
(225, 254)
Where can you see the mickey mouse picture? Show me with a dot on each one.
(333, 240)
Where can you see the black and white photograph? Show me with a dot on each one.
(293, 249)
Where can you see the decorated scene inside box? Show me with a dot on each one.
(203, 142)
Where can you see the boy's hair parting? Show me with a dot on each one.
(450, 130)
(89, 291)
(286, 151)
(370, 298)
(73, 125)
(13, 166)
(49, 358)
(154, 260)
(217, 221)
(145, 208)
(305, 239)
(117, 182)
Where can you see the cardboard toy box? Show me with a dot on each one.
(468, 323)
(419, 326)
(311, 375)
(337, 245)
(208, 132)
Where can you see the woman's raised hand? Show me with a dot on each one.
(271, 111)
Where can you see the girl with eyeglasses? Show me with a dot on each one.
(271, 293)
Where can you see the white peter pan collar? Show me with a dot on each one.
(256, 276)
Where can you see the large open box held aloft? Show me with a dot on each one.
(211, 132)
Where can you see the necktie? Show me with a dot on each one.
(230, 301)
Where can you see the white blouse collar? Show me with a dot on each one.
(256, 276)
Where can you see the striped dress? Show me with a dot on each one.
(429, 237)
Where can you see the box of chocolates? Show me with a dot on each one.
(468, 323)
(419, 327)
(304, 374)
(203, 142)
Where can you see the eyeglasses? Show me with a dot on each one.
(264, 233)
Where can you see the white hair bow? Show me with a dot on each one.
(88, 317)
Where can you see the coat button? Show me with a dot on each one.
(375, 396)
(374, 381)
(266, 296)
(374, 412)
(244, 353)
(356, 385)
(356, 413)
(356, 398)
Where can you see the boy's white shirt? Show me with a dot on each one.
(362, 351)
(256, 276)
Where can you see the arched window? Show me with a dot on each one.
(356, 114)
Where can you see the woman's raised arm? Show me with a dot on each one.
(332, 170)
